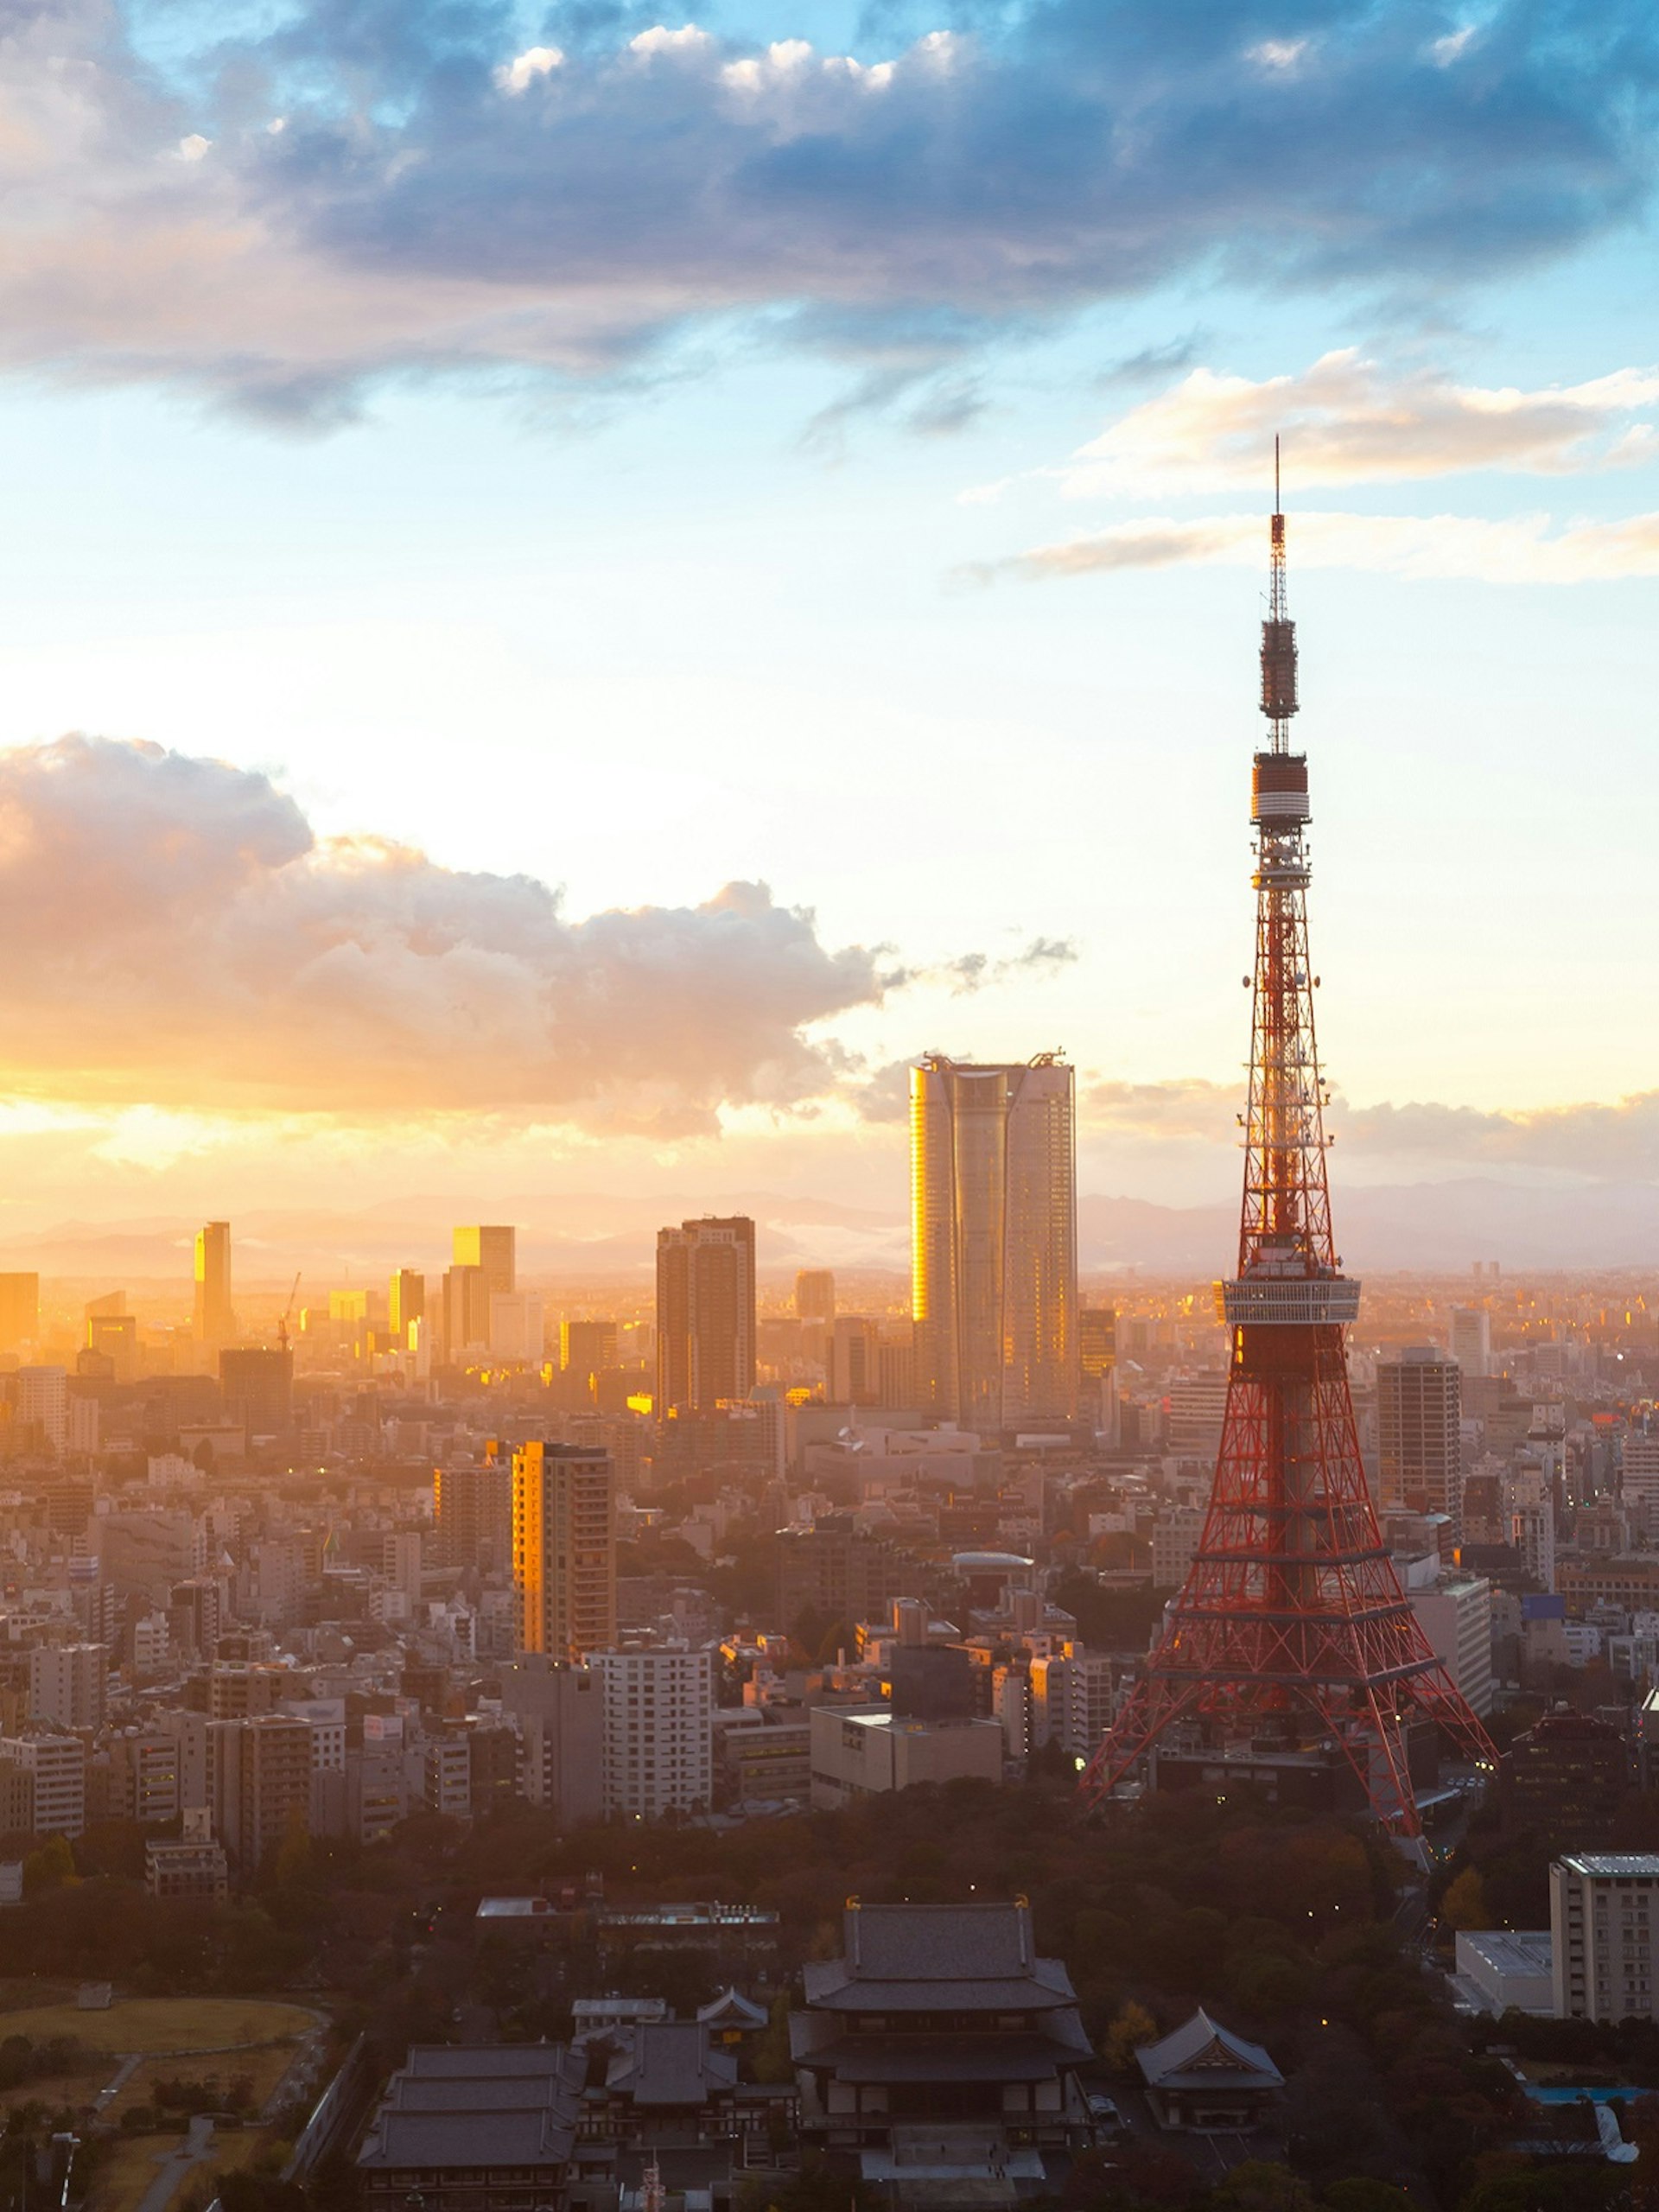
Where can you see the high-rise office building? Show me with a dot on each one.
(1419, 1412)
(587, 1346)
(1471, 1338)
(405, 1302)
(564, 1549)
(465, 1311)
(995, 1242)
(257, 1382)
(20, 1309)
(815, 1294)
(1097, 1339)
(852, 1368)
(705, 1313)
(215, 1323)
(493, 1249)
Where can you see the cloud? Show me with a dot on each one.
(1523, 549)
(522, 72)
(1191, 1108)
(1349, 421)
(1591, 1139)
(440, 199)
(178, 933)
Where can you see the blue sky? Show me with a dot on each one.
(636, 461)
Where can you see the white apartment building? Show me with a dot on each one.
(1470, 1342)
(43, 1400)
(658, 1718)
(447, 1777)
(1175, 1536)
(1532, 1524)
(1641, 1478)
(66, 1684)
(1456, 1612)
(1197, 1406)
(1604, 1907)
(58, 1766)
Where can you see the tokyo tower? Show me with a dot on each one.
(1292, 1632)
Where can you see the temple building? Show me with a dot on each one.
(933, 2017)
(1204, 2076)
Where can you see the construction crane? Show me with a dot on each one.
(281, 1326)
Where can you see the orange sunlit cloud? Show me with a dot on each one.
(195, 944)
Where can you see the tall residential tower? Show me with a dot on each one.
(995, 1241)
(705, 1313)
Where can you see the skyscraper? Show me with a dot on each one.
(705, 1313)
(492, 1250)
(564, 1549)
(995, 1242)
(1471, 1338)
(258, 1386)
(215, 1325)
(1419, 1414)
(405, 1302)
(815, 1294)
(587, 1346)
(465, 1311)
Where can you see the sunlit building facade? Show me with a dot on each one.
(215, 1323)
(995, 1242)
(564, 1549)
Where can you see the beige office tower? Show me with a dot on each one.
(215, 1325)
(705, 1313)
(564, 1549)
(492, 1250)
(815, 1294)
(1419, 1431)
(995, 1242)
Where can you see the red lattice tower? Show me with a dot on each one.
(1292, 1631)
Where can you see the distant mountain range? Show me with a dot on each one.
(1433, 1228)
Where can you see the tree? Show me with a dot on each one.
(1465, 1902)
(1361, 2193)
(1260, 2185)
(51, 1867)
(1130, 2031)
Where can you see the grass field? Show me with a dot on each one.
(161, 2023)
(134, 2160)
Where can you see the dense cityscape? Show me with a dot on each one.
(697, 1511)
(478, 1664)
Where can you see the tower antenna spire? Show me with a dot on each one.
(1278, 633)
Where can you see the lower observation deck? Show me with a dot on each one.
(1288, 1301)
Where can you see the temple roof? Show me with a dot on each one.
(930, 1958)
(1202, 2055)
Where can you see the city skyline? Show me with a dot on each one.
(916, 513)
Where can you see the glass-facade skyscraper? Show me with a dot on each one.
(995, 1242)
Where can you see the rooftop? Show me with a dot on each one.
(1202, 2055)
(922, 1957)
(1628, 1865)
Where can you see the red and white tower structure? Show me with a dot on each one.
(1293, 1631)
